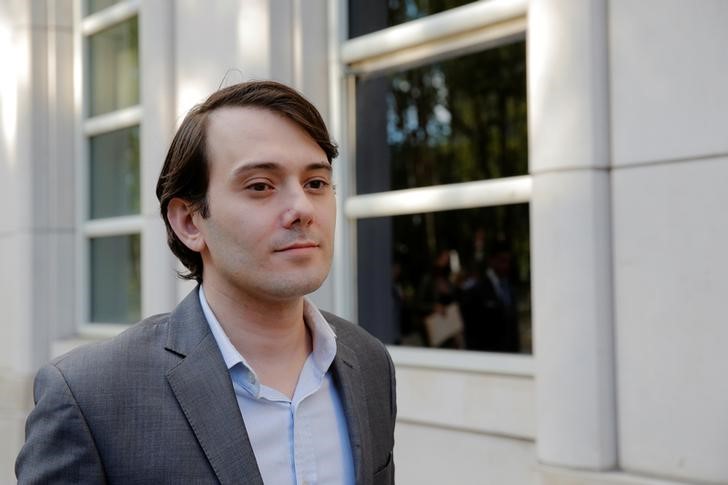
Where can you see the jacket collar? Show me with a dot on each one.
(217, 423)
(349, 382)
(202, 386)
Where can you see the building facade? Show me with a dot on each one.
(529, 199)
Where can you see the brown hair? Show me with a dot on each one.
(185, 172)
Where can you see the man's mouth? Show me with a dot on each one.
(298, 245)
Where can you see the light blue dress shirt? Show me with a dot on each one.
(298, 441)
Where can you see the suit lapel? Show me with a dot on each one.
(201, 384)
(348, 378)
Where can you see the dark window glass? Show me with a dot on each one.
(457, 120)
(458, 279)
(93, 6)
(113, 68)
(453, 279)
(115, 281)
(114, 175)
(366, 16)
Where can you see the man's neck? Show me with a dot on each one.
(271, 335)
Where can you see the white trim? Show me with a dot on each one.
(81, 150)
(297, 53)
(467, 42)
(433, 27)
(113, 226)
(462, 360)
(350, 281)
(108, 17)
(466, 195)
(339, 103)
(116, 120)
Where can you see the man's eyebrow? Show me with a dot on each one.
(246, 168)
(319, 166)
(242, 170)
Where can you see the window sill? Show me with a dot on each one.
(517, 365)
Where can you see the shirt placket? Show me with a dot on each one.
(304, 456)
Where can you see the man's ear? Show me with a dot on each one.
(181, 217)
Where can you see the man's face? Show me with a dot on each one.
(270, 229)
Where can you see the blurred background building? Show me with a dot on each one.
(530, 198)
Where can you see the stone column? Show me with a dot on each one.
(37, 194)
(156, 51)
(571, 233)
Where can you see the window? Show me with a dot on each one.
(366, 16)
(111, 173)
(112, 57)
(440, 205)
(93, 6)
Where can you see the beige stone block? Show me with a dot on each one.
(487, 403)
(12, 435)
(15, 295)
(670, 261)
(572, 319)
(668, 77)
(436, 456)
(568, 91)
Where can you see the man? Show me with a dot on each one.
(245, 381)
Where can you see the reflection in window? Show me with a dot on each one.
(113, 68)
(454, 279)
(366, 16)
(458, 279)
(457, 120)
(114, 173)
(115, 270)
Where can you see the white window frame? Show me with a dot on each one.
(469, 28)
(86, 26)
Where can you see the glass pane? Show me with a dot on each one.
(115, 279)
(366, 16)
(457, 120)
(114, 173)
(455, 279)
(113, 68)
(93, 6)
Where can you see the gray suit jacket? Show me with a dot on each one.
(156, 405)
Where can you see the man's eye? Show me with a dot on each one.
(317, 184)
(259, 187)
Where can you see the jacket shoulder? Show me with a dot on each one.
(134, 345)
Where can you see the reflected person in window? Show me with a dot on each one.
(246, 381)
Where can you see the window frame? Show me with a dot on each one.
(88, 126)
(470, 28)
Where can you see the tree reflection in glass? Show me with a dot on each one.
(459, 278)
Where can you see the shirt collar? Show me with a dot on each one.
(323, 338)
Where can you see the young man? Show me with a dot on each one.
(246, 381)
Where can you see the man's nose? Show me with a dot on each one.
(298, 209)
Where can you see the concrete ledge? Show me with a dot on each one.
(550, 475)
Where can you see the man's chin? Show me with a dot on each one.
(288, 288)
